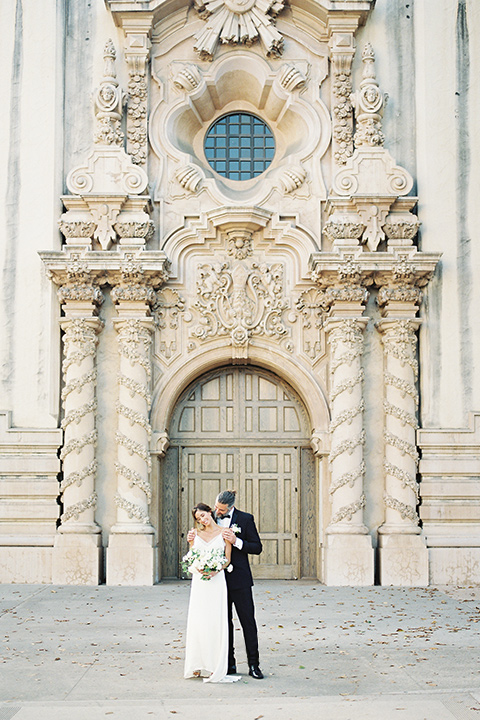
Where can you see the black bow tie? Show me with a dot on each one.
(224, 517)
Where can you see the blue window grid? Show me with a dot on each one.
(239, 146)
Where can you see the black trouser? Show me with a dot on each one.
(243, 601)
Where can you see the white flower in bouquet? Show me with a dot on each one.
(204, 562)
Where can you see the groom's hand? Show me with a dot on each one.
(229, 535)
(191, 535)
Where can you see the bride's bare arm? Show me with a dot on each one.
(228, 551)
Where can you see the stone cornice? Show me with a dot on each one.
(336, 15)
(379, 269)
(98, 268)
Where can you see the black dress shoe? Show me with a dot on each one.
(255, 672)
(232, 670)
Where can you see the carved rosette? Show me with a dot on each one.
(347, 466)
(133, 434)
(80, 436)
(400, 407)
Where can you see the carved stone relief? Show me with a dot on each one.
(238, 22)
(166, 309)
(240, 300)
(312, 306)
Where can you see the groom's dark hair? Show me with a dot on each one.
(227, 497)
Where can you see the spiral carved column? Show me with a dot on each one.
(131, 552)
(134, 431)
(76, 558)
(403, 555)
(349, 553)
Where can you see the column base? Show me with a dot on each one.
(77, 559)
(349, 560)
(403, 560)
(131, 559)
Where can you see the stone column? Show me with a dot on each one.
(403, 553)
(77, 551)
(131, 550)
(349, 552)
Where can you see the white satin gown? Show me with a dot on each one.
(207, 624)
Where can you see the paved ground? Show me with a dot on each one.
(329, 653)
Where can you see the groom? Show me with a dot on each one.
(239, 580)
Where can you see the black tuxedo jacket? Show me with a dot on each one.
(241, 575)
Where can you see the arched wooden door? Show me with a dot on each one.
(243, 429)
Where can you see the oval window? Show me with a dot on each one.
(239, 146)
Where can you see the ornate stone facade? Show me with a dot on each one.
(307, 334)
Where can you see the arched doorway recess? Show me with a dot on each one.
(243, 428)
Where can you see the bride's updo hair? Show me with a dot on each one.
(203, 507)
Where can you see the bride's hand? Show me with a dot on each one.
(209, 575)
(191, 535)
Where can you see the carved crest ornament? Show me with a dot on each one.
(240, 300)
(238, 22)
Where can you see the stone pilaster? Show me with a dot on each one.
(76, 558)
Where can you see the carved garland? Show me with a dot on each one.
(74, 511)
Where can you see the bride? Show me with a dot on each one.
(207, 624)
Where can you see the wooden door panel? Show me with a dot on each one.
(268, 481)
(239, 428)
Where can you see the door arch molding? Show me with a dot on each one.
(305, 384)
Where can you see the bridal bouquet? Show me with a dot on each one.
(203, 562)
